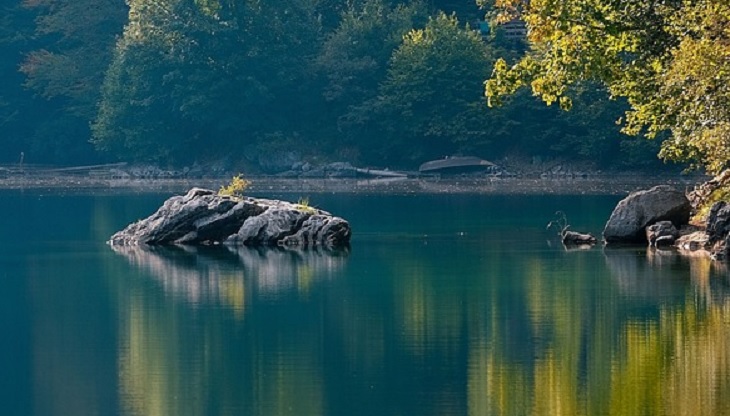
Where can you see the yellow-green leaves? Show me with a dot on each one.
(669, 59)
(236, 187)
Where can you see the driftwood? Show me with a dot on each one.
(570, 238)
(381, 173)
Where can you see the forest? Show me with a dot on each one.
(381, 83)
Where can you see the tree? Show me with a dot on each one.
(80, 40)
(73, 43)
(354, 57)
(351, 64)
(670, 59)
(430, 104)
(191, 79)
(14, 37)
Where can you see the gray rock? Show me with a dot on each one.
(718, 221)
(269, 228)
(643, 208)
(718, 230)
(662, 233)
(577, 239)
(696, 240)
(204, 217)
(321, 230)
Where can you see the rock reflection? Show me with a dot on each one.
(177, 360)
(274, 271)
(644, 273)
(655, 273)
(221, 274)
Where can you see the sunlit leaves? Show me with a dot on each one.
(670, 59)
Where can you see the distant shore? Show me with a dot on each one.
(603, 184)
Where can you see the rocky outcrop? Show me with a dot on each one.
(662, 234)
(643, 208)
(718, 221)
(714, 239)
(693, 241)
(718, 230)
(703, 192)
(204, 217)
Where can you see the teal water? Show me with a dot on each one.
(444, 305)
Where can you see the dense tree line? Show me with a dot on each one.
(669, 59)
(376, 82)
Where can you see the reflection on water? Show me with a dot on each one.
(645, 273)
(220, 274)
(171, 366)
(620, 355)
(652, 273)
(433, 323)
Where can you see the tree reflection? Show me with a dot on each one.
(416, 325)
(655, 342)
(549, 333)
(182, 361)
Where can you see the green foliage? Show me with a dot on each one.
(202, 79)
(351, 64)
(667, 59)
(72, 65)
(54, 54)
(236, 187)
(354, 57)
(429, 103)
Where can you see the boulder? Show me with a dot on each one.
(324, 230)
(718, 221)
(577, 239)
(643, 208)
(714, 239)
(696, 240)
(204, 217)
(661, 234)
(718, 230)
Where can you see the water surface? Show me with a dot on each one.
(444, 305)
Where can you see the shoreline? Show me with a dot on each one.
(601, 184)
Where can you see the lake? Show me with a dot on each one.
(445, 304)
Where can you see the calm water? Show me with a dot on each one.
(445, 305)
